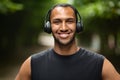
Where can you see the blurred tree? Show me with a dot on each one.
(21, 22)
(9, 11)
(101, 17)
(9, 6)
(34, 16)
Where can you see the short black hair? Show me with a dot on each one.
(61, 5)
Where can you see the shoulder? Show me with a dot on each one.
(25, 70)
(109, 72)
(40, 54)
(91, 54)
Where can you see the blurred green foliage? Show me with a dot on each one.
(104, 9)
(23, 20)
(7, 6)
(21, 23)
(102, 18)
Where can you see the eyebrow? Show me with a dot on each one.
(64, 19)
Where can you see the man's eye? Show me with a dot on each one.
(56, 22)
(70, 21)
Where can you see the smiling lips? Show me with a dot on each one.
(64, 35)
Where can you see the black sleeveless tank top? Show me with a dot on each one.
(83, 65)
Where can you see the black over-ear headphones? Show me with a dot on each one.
(79, 24)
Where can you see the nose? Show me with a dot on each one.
(64, 27)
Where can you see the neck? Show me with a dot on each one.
(66, 49)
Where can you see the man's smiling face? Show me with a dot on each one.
(63, 25)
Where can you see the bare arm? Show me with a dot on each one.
(25, 71)
(109, 72)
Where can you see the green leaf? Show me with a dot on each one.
(9, 6)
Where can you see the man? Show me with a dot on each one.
(66, 61)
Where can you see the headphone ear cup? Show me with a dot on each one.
(47, 27)
(79, 27)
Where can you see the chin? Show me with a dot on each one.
(65, 42)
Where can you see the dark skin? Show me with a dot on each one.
(63, 22)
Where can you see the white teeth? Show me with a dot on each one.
(63, 35)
